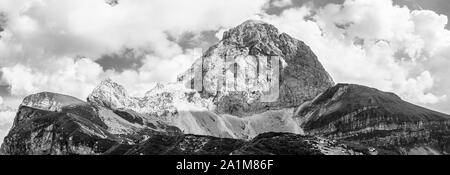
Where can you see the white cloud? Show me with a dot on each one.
(156, 69)
(6, 119)
(64, 75)
(415, 89)
(79, 77)
(431, 29)
(38, 29)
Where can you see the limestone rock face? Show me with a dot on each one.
(255, 68)
(50, 101)
(380, 119)
(73, 130)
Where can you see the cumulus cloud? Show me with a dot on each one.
(38, 29)
(112, 2)
(156, 69)
(375, 43)
(6, 119)
(64, 75)
(78, 77)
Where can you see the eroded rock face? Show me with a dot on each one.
(50, 101)
(48, 123)
(255, 68)
(70, 131)
(372, 117)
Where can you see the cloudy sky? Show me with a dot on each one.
(69, 46)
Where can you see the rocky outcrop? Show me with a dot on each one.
(50, 101)
(71, 131)
(48, 123)
(255, 68)
(372, 117)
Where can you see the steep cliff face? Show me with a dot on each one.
(50, 101)
(69, 131)
(372, 117)
(255, 68)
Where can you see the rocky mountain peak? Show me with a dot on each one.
(157, 89)
(255, 68)
(50, 101)
(251, 32)
(109, 85)
(109, 94)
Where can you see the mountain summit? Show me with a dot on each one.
(254, 68)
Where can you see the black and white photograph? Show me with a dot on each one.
(224, 78)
